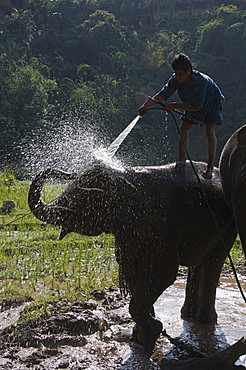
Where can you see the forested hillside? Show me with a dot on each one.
(81, 57)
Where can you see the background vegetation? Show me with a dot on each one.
(82, 56)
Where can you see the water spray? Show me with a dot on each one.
(108, 153)
(112, 149)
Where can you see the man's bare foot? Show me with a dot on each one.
(208, 174)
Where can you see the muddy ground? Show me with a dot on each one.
(91, 335)
(94, 335)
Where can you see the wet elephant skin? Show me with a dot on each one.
(160, 219)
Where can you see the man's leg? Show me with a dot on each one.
(212, 146)
(183, 142)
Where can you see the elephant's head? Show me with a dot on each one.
(233, 176)
(86, 206)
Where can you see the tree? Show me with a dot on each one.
(83, 99)
(17, 35)
(102, 31)
(27, 101)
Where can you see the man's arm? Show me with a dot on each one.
(149, 103)
(165, 93)
(176, 105)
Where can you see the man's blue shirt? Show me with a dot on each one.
(200, 91)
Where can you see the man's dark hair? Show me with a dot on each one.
(181, 61)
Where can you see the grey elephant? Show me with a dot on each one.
(161, 219)
(233, 177)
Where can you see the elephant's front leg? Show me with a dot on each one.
(147, 328)
(153, 277)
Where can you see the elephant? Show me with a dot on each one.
(161, 217)
(232, 166)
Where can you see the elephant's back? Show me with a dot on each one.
(161, 187)
(174, 175)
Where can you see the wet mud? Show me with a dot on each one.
(96, 335)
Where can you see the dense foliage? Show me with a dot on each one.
(82, 56)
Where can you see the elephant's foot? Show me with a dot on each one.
(147, 336)
(200, 316)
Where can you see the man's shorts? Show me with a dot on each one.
(206, 116)
(214, 115)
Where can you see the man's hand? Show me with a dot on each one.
(149, 103)
(169, 107)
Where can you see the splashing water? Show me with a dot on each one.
(74, 142)
(114, 146)
(69, 145)
(167, 145)
(107, 154)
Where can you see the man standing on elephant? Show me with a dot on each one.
(200, 95)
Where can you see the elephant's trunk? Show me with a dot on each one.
(49, 213)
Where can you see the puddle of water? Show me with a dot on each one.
(10, 317)
(231, 312)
